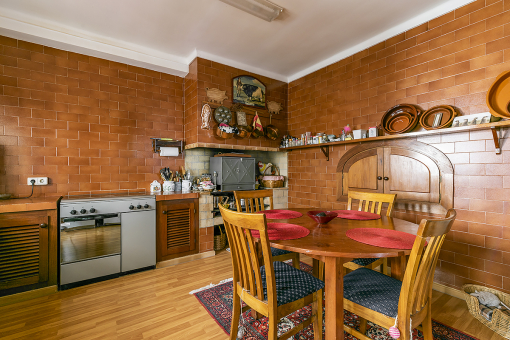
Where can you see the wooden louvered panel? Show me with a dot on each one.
(23, 249)
(176, 226)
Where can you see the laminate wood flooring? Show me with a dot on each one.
(156, 305)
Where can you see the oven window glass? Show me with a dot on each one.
(88, 237)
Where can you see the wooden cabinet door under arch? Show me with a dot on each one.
(420, 175)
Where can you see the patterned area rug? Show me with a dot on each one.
(217, 300)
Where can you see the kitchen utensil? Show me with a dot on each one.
(222, 114)
(444, 114)
(329, 215)
(272, 131)
(168, 186)
(186, 185)
(223, 134)
(498, 95)
(400, 119)
(244, 131)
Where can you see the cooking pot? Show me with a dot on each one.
(272, 131)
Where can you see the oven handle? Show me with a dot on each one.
(89, 217)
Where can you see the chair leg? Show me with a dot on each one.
(384, 266)
(272, 332)
(317, 314)
(427, 324)
(295, 261)
(362, 325)
(236, 312)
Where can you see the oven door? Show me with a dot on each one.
(88, 237)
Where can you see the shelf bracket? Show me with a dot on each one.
(325, 151)
(495, 136)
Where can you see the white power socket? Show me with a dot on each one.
(38, 180)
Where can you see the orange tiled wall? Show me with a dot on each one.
(209, 74)
(450, 60)
(84, 122)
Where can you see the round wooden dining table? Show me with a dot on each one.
(328, 243)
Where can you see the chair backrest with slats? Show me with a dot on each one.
(419, 274)
(253, 200)
(372, 201)
(245, 259)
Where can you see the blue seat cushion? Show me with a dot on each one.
(364, 262)
(291, 284)
(278, 252)
(373, 290)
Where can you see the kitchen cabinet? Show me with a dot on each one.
(28, 250)
(414, 171)
(176, 228)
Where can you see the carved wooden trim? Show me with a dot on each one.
(439, 158)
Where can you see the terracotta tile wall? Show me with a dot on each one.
(450, 60)
(84, 122)
(209, 74)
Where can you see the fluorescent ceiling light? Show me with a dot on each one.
(260, 8)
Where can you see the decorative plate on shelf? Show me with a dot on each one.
(438, 117)
(498, 96)
(400, 119)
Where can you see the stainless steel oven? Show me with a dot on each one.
(101, 237)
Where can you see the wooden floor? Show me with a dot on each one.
(156, 305)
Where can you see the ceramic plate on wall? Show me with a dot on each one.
(498, 96)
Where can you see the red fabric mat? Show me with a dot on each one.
(356, 215)
(283, 231)
(385, 238)
(276, 214)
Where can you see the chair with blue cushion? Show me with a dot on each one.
(370, 202)
(379, 298)
(254, 202)
(272, 288)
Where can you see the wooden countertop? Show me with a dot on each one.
(28, 204)
(176, 195)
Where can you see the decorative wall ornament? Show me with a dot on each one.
(216, 95)
(249, 91)
(274, 107)
(206, 116)
(241, 118)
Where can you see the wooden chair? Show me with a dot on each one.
(254, 201)
(274, 289)
(373, 203)
(380, 298)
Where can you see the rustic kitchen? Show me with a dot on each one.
(132, 167)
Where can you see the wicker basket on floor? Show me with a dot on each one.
(500, 322)
(220, 241)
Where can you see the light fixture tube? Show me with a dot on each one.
(260, 8)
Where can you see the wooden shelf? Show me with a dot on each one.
(230, 147)
(250, 111)
(494, 127)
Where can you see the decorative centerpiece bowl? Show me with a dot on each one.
(321, 217)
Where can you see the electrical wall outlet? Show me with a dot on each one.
(38, 180)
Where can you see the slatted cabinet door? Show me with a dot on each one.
(177, 228)
(24, 239)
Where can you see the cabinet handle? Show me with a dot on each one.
(164, 211)
(379, 177)
(386, 178)
(43, 225)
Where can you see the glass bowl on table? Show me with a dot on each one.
(322, 217)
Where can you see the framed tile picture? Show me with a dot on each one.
(249, 91)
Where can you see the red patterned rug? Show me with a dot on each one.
(217, 300)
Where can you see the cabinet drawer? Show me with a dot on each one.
(231, 187)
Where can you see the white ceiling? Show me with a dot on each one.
(166, 35)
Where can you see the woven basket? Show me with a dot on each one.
(272, 181)
(500, 322)
(220, 241)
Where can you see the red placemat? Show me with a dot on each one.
(385, 238)
(276, 214)
(283, 231)
(356, 215)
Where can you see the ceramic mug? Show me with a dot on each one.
(168, 186)
(186, 185)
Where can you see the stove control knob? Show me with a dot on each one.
(83, 211)
(92, 210)
(73, 212)
(138, 206)
(131, 207)
(146, 206)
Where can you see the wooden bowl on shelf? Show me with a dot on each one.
(446, 115)
(400, 119)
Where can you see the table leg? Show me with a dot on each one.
(334, 280)
(398, 265)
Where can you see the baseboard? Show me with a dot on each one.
(448, 290)
(185, 259)
(29, 295)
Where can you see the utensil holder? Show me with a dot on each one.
(178, 186)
